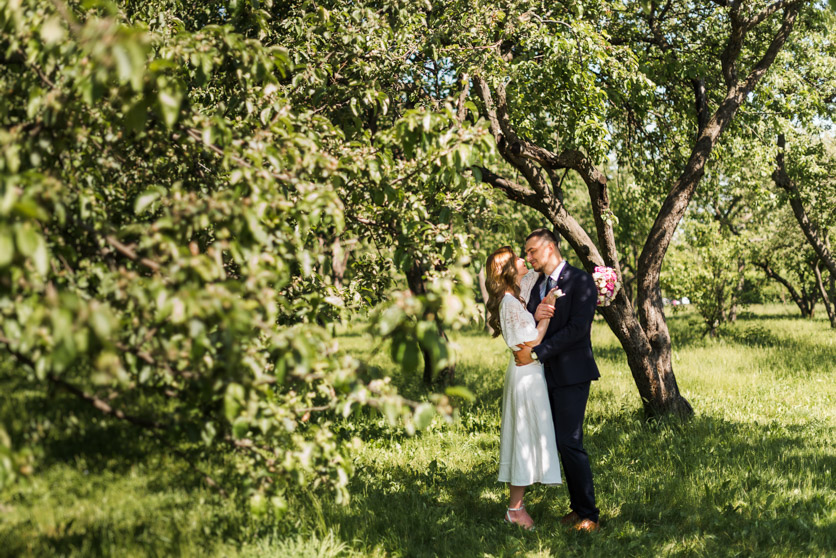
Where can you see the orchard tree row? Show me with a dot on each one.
(194, 194)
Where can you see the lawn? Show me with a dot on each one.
(750, 475)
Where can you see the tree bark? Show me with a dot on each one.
(339, 262)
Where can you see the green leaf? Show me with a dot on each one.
(52, 32)
(409, 358)
(28, 208)
(41, 257)
(460, 392)
(7, 248)
(208, 433)
(124, 65)
(423, 416)
(477, 174)
(101, 321)
(233, 399)
(170, 100)
(145, 200)
(136, 116)
(27, 239)
(390, 320)
(240, 427)
(258, 504)
(8, 201)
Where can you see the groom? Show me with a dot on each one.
(566, 354)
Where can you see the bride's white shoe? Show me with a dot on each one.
(508, 519)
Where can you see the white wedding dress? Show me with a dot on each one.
(527, 446)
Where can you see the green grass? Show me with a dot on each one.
(750, 475)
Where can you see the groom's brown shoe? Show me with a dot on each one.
(586, 525)
(570, 519)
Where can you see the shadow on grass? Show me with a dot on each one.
(709, 487)
(70, 431)
(790, 316)
(73, 434)
(688, 331)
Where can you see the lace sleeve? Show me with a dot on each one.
(517, 324)
(527, 283)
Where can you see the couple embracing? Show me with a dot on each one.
(545, 317)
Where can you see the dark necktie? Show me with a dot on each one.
(550, 284)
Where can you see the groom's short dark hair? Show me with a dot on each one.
(544, 234)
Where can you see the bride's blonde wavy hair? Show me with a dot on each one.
(500, 278)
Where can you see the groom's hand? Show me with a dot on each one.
(523, 356)
(544, 311)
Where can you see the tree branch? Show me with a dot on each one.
(515, 192)
(678, 198)
(701, 104)
(728, 59)
(504, 134)
(831, 311)
(106, 409)
(765, 13)
(800, 301)
(596, 183)
(461, 110)
(102, 406)
(197, 136)
(811, 231)
(128, 252)
(787, 24)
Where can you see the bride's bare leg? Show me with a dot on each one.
(521, 516)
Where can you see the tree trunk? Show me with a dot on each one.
(829, 305)
(415, 281)
(802, 302)
(738, 290)
(651, 364)
(484, 290)
(339, 262)
(833, 298)
(809, 298)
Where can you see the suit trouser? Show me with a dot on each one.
(568, 405)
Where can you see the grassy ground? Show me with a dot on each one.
(750, 475)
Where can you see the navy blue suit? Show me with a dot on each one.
(566, 354)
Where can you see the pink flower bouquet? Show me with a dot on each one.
(606, 279)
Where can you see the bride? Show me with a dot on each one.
(527, 448)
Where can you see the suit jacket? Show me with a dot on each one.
(566, 350)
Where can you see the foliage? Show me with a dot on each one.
(165, 194)
(179, 179)
(707, 271)
(409, 196)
